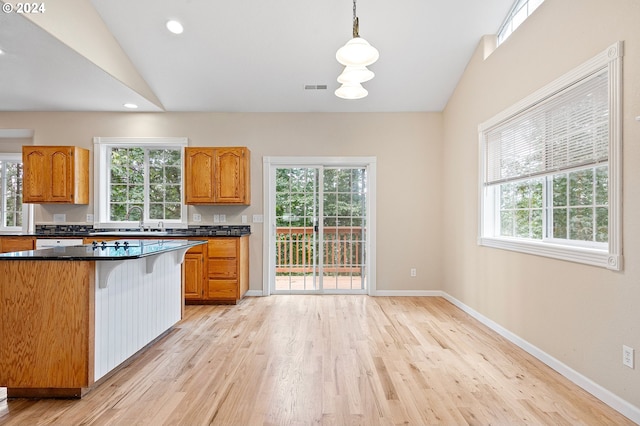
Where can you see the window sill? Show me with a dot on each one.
(588, 256)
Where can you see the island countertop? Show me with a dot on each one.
(111, 250)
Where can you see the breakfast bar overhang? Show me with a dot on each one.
(71, 315)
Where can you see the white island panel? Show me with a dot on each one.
(138, 303)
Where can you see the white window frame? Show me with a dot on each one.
(27, 209)
(610, 256)
(519, 12)
(101, 179)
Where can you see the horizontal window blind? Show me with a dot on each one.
(569, 129)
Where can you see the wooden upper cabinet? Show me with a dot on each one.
(217, 175)
(198, 171)
(55, 174)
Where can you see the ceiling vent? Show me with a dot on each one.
(315, 87)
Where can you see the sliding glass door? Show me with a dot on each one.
(319, 223)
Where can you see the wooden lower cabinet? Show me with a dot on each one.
(194, 276)
(225, 270)
(11, 244)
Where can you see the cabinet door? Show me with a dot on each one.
(35, 174)
(193, 276)
(222, 290)
(231, 175)
(223, 247)
(11, 244)
(61, 169)
(198, 170)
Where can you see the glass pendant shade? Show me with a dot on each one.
(351, 91)
(355, 75)
(357, 52)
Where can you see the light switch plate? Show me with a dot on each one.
(258, 218)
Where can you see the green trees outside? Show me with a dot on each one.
(297, 192)
(135, 172)
(11, 174)
(343, 218)
(579, 206)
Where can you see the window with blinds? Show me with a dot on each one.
(571, 129)
(550, 181)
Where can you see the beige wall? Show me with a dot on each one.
(579, 314)
(408, 148)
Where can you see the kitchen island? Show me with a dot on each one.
(71, 315)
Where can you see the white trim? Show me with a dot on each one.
(101, 181)
(611, 257)
(620, 405)
(269, 165)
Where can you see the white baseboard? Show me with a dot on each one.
(254, 293)
(623, 407)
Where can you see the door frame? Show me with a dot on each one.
(269, 165)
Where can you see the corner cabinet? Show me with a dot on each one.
(217, 175)
(55, 174)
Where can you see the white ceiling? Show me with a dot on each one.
(247, 56)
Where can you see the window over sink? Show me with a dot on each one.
(139, 181)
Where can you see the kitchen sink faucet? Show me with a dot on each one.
(141, 224)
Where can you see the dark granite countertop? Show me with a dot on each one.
(113, 250)
(75, 231)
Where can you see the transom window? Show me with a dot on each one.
(139, 180)
(12, 211)
(520, 11)
(551, 168)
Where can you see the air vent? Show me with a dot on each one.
(315, 87)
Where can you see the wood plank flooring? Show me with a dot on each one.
(329, 360)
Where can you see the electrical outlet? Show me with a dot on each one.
(89, 218)
(223, 218)
(197, 217)
(216, 218)
(627, 356)
(244, 218)
(413, 272)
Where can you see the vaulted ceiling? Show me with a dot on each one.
(235, 56)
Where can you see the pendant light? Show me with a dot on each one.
(355, 55)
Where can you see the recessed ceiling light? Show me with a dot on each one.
(1, 52)
(130, 106)
(175, 27)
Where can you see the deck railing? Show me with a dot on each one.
(342, 254)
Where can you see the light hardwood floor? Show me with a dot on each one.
(334, 360)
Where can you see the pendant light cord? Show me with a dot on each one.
(355, 22)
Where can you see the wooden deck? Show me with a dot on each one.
(327, 360)
(301, 283)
